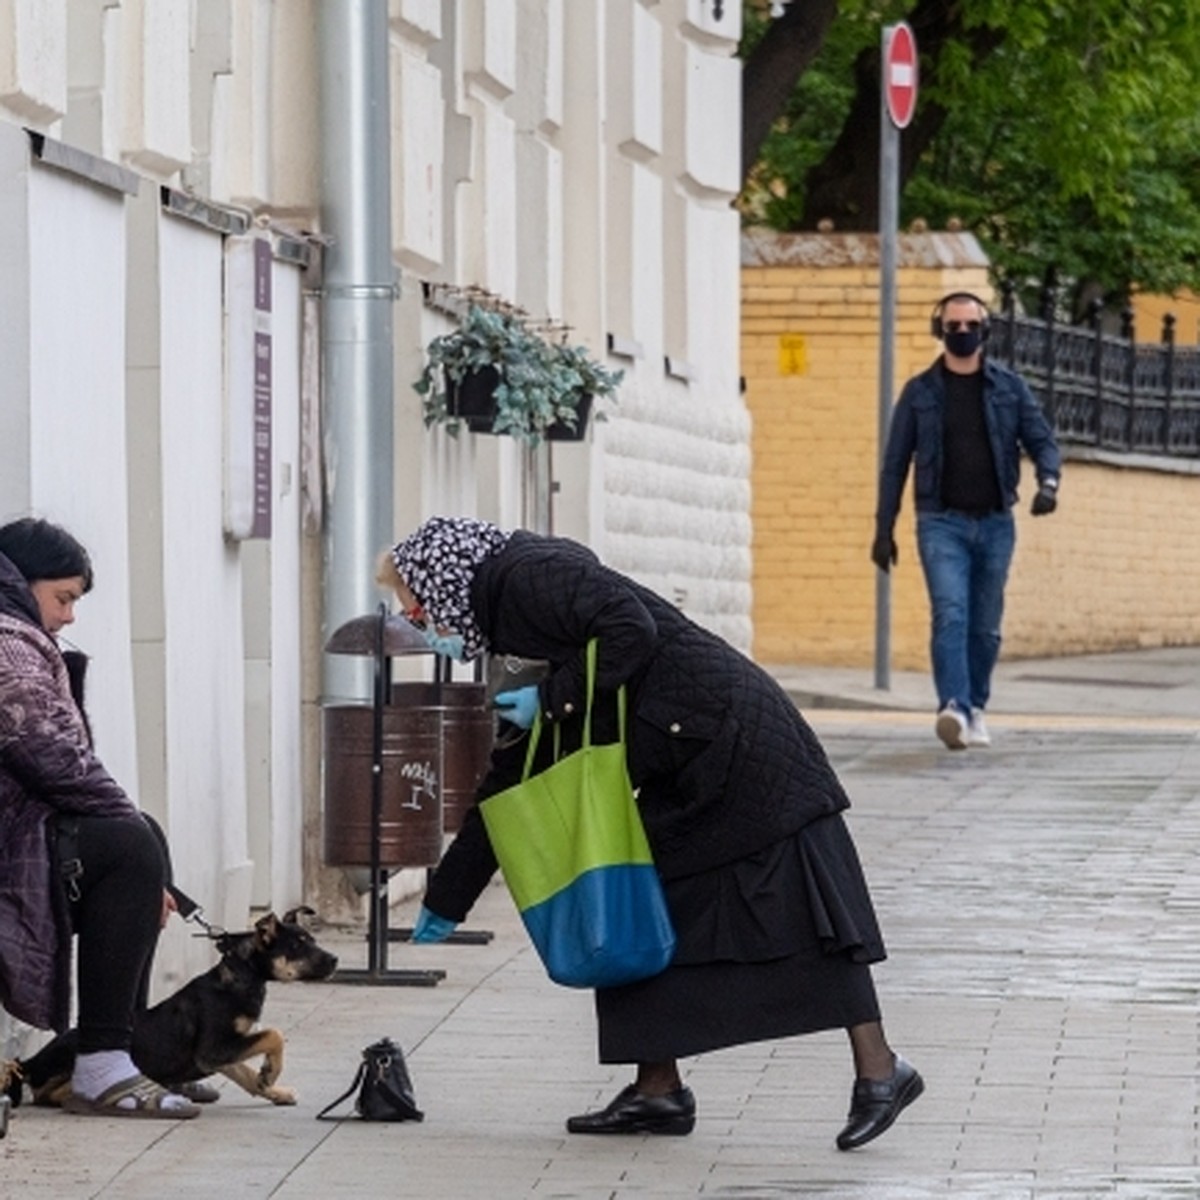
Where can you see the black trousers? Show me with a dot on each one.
(116, 910)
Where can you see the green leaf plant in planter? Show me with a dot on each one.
(494, 375)
(588, 379)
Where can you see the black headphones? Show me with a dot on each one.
(935, 320)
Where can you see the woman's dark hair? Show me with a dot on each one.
(40, 550)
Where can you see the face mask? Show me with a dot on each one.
(962, 343)
(449, 645)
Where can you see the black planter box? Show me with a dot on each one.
(472, 400)
(560, 431)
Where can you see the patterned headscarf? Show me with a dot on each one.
(438, 561)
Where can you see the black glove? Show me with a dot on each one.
(1046, 500)
(883, 551)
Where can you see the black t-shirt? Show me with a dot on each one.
(969, 481)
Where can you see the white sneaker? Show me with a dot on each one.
(951, 727)
(977, 731)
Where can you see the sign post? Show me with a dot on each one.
(898, 92)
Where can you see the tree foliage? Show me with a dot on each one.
(1062, 132)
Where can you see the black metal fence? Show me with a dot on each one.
(1102, 390)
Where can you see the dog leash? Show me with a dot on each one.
(213, 932)
(195, 914)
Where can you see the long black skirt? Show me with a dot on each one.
(770, 946)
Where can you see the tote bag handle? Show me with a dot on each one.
(536, 732)
(578, 863)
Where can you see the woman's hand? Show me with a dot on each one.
(519, 706)
(431, 928)
(168, 907)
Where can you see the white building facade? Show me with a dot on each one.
(161, 177)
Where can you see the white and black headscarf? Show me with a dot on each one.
(438, 561)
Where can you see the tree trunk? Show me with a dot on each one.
(844, 187)
(775, 64)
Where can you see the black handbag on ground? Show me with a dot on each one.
(385, 1092)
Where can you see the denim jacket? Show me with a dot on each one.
(1014, 421)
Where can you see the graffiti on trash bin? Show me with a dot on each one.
(424, 783)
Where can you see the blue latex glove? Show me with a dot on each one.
(449, 645)
(519, 706)
(431, 928)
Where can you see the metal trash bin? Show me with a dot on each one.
(384, 774)
(437, 740)
(467, 731)
(410, 827)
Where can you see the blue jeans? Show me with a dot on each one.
(965, 560)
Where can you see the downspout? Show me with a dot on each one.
(358, 294)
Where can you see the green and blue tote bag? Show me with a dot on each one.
(574, 854)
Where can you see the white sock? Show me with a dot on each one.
(95, 1073)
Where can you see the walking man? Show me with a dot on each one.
(964, 420)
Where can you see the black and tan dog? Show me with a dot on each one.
(208, 1026)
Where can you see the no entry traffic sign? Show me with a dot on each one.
(900, 74)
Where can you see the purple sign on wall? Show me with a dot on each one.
(262, 389)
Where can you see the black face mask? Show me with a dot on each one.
(962, 343)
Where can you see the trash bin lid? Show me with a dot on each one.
(360, 636)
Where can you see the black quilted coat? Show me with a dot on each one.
(46, 767)
(724, 763)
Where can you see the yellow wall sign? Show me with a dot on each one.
(793, 354)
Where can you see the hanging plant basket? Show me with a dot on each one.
(472, 400)
(560, 431)
(495, 375)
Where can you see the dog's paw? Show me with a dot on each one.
(272, 1063)
(280, 1095)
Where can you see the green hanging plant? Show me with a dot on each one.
(493, 375)
(587, 379)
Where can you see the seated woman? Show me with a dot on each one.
(76, 855)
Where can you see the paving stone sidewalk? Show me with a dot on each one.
(1040, 902)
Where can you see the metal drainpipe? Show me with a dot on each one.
(358, 294)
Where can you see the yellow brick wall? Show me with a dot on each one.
(1148, 313)
(1117, 566)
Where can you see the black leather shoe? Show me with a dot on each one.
(631, 1112)
(876, 1103)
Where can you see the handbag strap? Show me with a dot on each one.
(536, 732)
(358, 1078)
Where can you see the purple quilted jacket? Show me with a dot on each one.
(46, 767)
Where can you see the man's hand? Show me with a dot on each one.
(884, 553)
(1046, 500)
